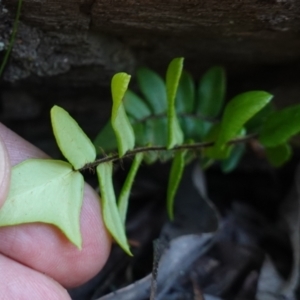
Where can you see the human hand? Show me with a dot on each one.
(36, 260)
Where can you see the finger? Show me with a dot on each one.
(20, 282)
(19, 149)
(4, 172)
(43, 247)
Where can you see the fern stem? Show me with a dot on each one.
(195, 146)
(12, 38)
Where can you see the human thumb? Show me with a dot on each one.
(5, 171)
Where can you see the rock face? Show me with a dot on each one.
(47, 51)
(241, 31)
(58, 36)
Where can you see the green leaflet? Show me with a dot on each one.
(156, 131)
(237, 112)
(185, 97)
(153, 89)
(76, 147)
(278, 155)
(280, 126)
(111, 216)
(213, 152)
(152, 132)
(119, 119)
(174, 180)
(175, 134)
(255, 123)
(135, 106)
(125, 192)
(140, 134)
(211, 92)
(106, 139)
(193, 128)
(232, 161)
(47, 191)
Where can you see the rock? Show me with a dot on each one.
(88, 58)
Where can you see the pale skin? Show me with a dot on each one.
(36, 260)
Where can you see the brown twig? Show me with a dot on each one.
(195, 146)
